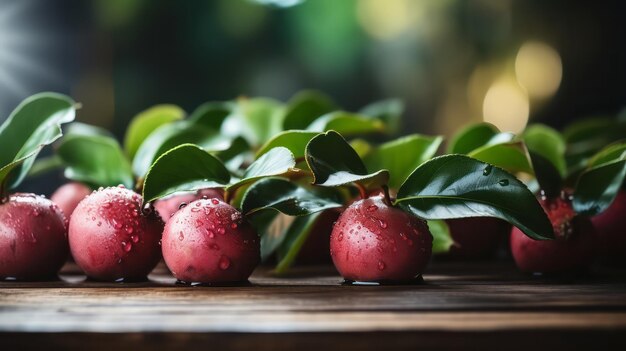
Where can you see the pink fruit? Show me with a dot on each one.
(112, 239)
(209, 242)
(374, 242)
(610, 227)
(33, 239)
(572, 249)
(166, 207)
(476, 237)
(68, 196)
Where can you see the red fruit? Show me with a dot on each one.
(374, 242)
(476, 237)
(168, 206)
(33, 239)
(208, 241)
(610, 227)
(68, 196)
(110, 237)
(572, 249)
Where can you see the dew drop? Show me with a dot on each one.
(99, 223)
(195, 209)
(224, 263)
(129, 230)
(106, 205)
(211, 234)
(221, 230)
(340, 236)
(487, 170)
(233, 225)
(381, 265)
(134, 238)
(214, 246)
(372, 208)
(215, 202)
(181, 236)
(382, 223)
(503, 182)
(127, 246)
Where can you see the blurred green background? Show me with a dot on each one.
(451, 61)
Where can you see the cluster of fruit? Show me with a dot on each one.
(250, 180)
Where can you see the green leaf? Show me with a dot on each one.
(236, 155)
(275, 162)
(95, 159)
(471, 137)
(598, 186)
(347, 123)
(548, 143)
(186, 167)
(272, 226)
(511, 156)
(442, 239)
(146, 122)
(286, 197)
(457, 186)
(334, 162)
(294, 239)
(548, 177)
(35, 123)
(361, 146)
(305, 107)
(211, 114)
(168, 136)
(257, 120)
(402, 156)
(388, 111)
(294, 140)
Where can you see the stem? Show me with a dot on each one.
(362, 190)
(227, 196)
(387, 199)
(139, 185)
(300, 159)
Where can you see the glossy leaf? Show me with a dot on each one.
(294, 140)
(401, 156)
(333, 162)
(471, 137)
(548, 143)
(347, 124)
(186, 167)
(146, 122)
(211, 114)
(35, 123)
(442, 239)
(95, 159)
(547, 176)
(293, 240)
(388, 111)
(304, 108)
(457, 186)
(511, 156)
(275, 162)
(286, 197)
(257, 120)
(272, 226)
(169, 136)
(598, 186)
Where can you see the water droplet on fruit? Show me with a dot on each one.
(211, 234)
(340, 236)
(119, 261)
(221, 230)
(93, 218)
(99, 223)
(106, 205)
(215, 201)
(195, 209)
(127, 246)
(372, 208)
(487, 170)
(117, 224)
(134, 238)
(382, 223)
(129, 230)
(214, 246)
(381, 265)
(181, 236)
(224, 263)
(233, 225)
(503, 182)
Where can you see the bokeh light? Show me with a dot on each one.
(384, 19)
(506, 106)
(538, 69)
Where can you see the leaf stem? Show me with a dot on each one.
(387, 199)
(362, 190)
(227, 196)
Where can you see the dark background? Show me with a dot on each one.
(118, 57)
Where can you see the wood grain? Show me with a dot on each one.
(456, 302)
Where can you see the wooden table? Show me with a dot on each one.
(476, 305)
